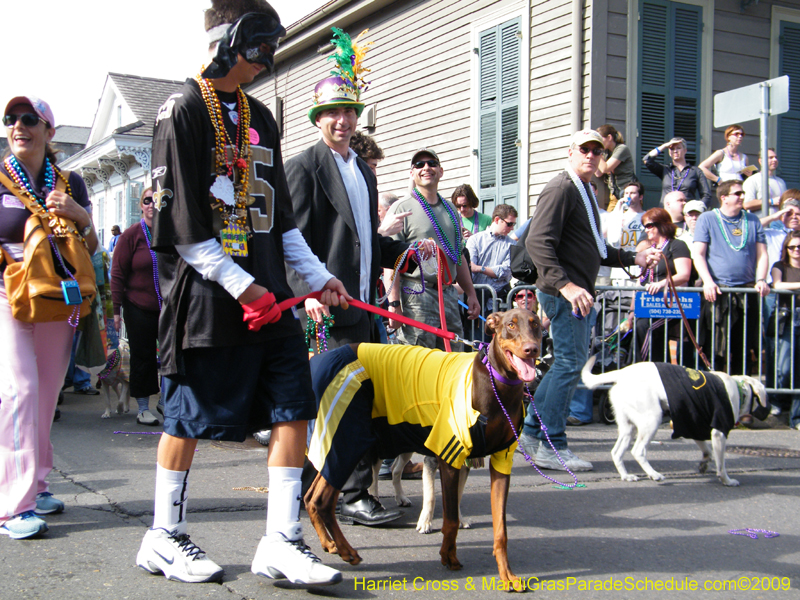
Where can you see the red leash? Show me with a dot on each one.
(442, 333)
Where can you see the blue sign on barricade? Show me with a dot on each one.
(653, 307)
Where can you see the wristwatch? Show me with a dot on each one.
(86, 230)
(394, 304)
(483, 269)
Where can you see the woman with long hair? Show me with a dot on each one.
(786, 276)
(617, 163)
(35, 356)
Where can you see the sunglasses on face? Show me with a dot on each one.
(737, 194)
(593, 150)
(523, 295)
(511, 225)
(28, 119)
(792, 248)
(420, 164)
(649, 225)
(147, 201)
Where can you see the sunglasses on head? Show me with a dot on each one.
(593, 150)
(147, 201)
(28, 119)
(420, 164)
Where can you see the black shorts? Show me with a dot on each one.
(226, 393)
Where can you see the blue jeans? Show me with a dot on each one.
(571, 350)
(784, 362)
(76, 377)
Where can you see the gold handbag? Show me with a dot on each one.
(34, 284)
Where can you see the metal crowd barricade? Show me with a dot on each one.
(487, 296)
(774, 354)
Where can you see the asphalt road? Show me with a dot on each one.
(637, 537)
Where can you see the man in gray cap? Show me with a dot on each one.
(567, 248)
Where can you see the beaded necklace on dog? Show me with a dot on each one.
(233, 177)
(148, 239)
(721, 219)
(493, 374)
(111, 364)
(453, 251)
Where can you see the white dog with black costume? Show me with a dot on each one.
(702, 404)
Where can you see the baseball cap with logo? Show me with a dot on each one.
(41, 107)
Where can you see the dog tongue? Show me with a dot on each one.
(526, 368)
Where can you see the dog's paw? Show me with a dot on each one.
(464, 524)
(657, 477)
(106, 415)
(630, 477)
(729, 482)
(424, 525)
(702, 467)
(120, 408)
(402, 501)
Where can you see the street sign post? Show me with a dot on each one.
(757, 101)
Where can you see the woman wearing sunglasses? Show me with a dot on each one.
(34, 356)
(660, 231)
(137, 297)
(730, 160)
(786, 276)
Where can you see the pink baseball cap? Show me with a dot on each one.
(41, 107)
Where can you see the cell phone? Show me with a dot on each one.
(72, 292)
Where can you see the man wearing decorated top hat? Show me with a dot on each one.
(231, 360)
(335, 199)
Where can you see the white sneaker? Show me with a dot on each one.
(529, 444)
(175, 556)
(278, 557)
(147, 418)
(546, 459)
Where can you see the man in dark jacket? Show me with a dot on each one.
(335, 200)
(567, 247)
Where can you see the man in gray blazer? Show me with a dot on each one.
(335, 200)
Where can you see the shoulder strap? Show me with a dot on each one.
(12, 187)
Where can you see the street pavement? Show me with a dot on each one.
(568, 543)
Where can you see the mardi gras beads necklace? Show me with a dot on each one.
(233, 176)
(453, 251)
(148, 238)
(649, 272)
(22, 183)
(737, 232)
(319, 333)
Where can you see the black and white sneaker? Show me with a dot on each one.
(176, 557)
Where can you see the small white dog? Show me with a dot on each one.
(702, 405)
(116, 375)
(430, 465)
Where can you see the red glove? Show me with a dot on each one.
(261, 311)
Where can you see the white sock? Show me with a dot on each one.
(283, 514)
(171, 497)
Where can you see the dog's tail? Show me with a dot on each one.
(592, 381)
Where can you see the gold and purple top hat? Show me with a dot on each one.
(344, 86)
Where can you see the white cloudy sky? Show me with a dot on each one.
(61, 51)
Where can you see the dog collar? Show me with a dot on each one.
(493, 372)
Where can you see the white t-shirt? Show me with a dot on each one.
(624, 231)
(752, 191)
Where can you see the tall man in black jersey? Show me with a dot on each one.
(232, 362)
